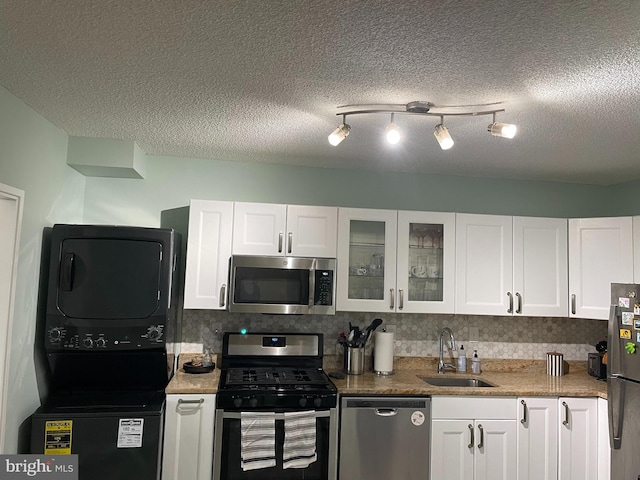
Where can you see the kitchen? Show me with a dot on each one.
(34, 159)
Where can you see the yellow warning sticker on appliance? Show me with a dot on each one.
(57, 437)
(625, 333)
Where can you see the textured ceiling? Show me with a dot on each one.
(260, 81)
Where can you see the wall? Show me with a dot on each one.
(172, 182)
(33, 159)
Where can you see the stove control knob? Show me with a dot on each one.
(253, 402)
(303, 402)
(237, 402)
(101, 342)
(87, 342)
(317, 402)
(55, 333)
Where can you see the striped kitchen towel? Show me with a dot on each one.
(299, 450)
(258, 440)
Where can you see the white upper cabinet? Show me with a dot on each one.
(600, 253)
(511, 265)
(425, 273)
(208, 252)
(366, 260)
(484, 264)
(540, 267)
(295, 230)
(392, 261)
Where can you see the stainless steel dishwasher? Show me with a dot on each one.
(385, 438)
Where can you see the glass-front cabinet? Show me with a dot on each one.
(366, 260)
(395, 261)
(425, 262)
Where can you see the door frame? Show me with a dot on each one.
(11, 216)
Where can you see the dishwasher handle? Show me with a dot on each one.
(386, 412)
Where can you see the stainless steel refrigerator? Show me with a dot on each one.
(623, 381)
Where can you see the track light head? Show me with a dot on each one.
(505, 130)
(392, 132)
(442, 135)
(339, 134)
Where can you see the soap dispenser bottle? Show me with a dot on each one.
(475, 363)
(462, 360)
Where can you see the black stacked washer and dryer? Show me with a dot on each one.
(110, 315)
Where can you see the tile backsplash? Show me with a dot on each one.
(416, 334)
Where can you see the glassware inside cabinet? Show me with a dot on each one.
(366, 260)
(425, 262)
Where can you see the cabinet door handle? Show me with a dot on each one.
(510, 309)
(519, 309)
(393, 302)
(481, 442)
(290, 240)
(223, 294)
(565, 422)
(472, 436)
(523, 420)
(401, 304)
(280, 235)
(573, 304)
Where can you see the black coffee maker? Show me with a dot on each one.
(597, 362)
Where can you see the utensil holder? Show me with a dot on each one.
(353, 360)
(555, 364)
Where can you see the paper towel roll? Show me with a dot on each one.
(383, 353)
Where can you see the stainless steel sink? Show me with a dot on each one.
(455, 382)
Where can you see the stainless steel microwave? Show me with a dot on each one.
(282, 285)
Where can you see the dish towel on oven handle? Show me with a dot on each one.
(258, 440)
(299, 450)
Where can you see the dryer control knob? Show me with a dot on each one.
(55, 333)
(87, 342)
(101, 342)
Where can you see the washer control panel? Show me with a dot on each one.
(66, 337)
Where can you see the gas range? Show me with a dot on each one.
(265, 371)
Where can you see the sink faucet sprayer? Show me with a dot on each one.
(442, 366)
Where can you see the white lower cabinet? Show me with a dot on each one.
(188, 437)
(538, 438)
(578, 441)
(473, 438)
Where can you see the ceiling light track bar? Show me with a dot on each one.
(429, 114)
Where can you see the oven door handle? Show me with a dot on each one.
(279, 415)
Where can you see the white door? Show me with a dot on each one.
(188, 437)
(426, 262)
(312, 231)
(452, 449)
(538, 438)
(259, 228)
(366, 260)
(540, 268)
(600, 253)
(11, 203)
(484, 264)
(208, 252)
(578, 452)
(495, 450)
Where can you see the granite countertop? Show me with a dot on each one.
(510, 377)
(196, 383)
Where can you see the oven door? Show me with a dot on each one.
(227, 450)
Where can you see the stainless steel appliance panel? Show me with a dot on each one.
(624, 297)
(624, 428)
(383, 438)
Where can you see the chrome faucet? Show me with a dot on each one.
(442, 366)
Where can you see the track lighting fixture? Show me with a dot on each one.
(392, 132)
(505, 130)
(442, 135)
(340, 133)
